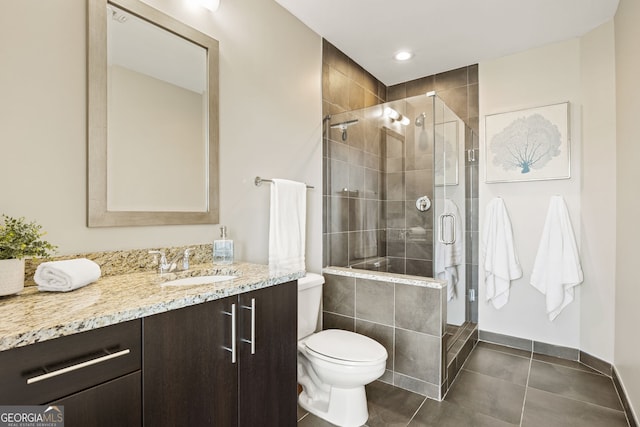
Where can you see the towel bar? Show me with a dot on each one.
(258, 182)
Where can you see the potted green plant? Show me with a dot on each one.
(19, 239)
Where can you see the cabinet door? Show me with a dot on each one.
(114, 403)
(268, 392)
(189, 379)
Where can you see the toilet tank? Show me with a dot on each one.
(309, 297)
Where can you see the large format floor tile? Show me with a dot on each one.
(503, 349)
(504, 366)
(574, 384)
(446, 414)
(563, 362)
(488, 395)
(390, 406)
(551, 410)
(501, 387)
(311, 420)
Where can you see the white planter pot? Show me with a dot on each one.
(11, 276)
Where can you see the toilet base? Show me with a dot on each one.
(347, 407)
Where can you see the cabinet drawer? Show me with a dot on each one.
(114, 403)
(50, 370)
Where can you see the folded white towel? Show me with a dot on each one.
(64, 276)
(500, 263)
(557, 268)
(449, 256)
(287, 225)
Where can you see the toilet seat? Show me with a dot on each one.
(345, 348)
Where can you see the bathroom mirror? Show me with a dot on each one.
(152, 118)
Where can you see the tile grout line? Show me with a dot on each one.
(532, 356)
(506, 352)
(416, 412)
(598, 374)
(573, 399)
(526, 388)
(595, 372)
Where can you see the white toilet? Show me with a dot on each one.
(333, 365)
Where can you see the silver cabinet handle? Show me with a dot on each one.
(77, 366)
(252, 341)
(233, 333)
(441, 237)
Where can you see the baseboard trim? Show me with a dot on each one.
(628, 411)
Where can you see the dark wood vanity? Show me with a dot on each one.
(170, 369)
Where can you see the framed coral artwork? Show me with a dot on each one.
(528, 145)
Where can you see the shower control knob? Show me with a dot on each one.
(423, 204)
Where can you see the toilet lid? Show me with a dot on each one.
(345, 345)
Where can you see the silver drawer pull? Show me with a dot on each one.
(252, 341)
(77, 366)
(232, 350)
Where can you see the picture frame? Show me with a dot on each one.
(531, 144)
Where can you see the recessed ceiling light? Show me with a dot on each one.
(403, 55)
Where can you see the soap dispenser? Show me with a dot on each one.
(223, 248)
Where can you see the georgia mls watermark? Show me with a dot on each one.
(32, 416)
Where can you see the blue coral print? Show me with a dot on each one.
(526, 143)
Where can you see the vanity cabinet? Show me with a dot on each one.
(95, 374)
(228, 362)
(268, 377)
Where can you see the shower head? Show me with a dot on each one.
(420, 120)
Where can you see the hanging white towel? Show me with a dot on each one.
(500, 263)
(449, 256)
(557, 266)
(67, 275)
(287, 226)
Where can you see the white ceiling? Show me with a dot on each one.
(444, 34)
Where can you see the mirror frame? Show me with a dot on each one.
(97, 213)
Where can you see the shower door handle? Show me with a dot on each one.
(441, 234)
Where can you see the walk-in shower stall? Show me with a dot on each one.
(398, 198)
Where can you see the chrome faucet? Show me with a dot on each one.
(165, 266)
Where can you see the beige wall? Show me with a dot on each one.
(627, 346)
(581, 71)
(270, 109)
(598, 197)
(537, 77)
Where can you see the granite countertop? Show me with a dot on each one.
(405, 279)
(34, 316)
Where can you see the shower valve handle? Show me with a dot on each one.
(423, 204)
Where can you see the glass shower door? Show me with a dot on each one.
(449, 209)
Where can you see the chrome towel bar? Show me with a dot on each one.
(258, 182)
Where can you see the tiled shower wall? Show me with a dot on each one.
(408, 320)
(352, 167)
(353, 192)
(346, 86)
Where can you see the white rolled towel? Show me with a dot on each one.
(67, 275)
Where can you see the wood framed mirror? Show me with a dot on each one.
(152, 118)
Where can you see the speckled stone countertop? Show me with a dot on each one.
(387, 277)
(34, 316)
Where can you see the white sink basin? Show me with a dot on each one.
(199, 280)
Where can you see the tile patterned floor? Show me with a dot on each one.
(500, 386)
